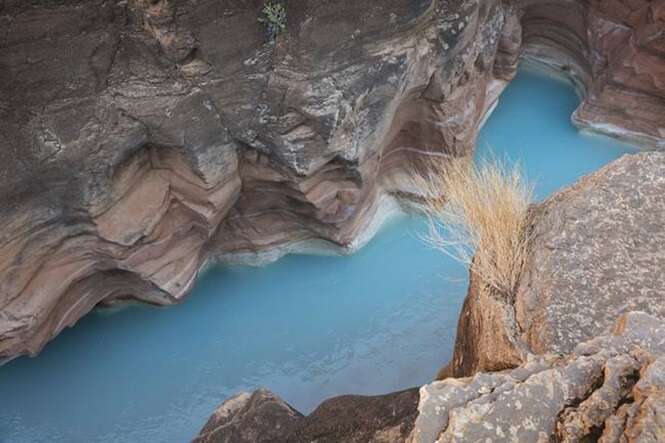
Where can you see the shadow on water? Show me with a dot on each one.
(306, 327)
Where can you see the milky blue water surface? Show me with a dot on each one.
(532, 126)
(306, 327)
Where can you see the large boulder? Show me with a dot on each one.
(250, 418)
(596, 253)
(262, 417)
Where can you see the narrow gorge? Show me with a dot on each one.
(145, 141)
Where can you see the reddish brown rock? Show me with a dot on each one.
(140, 140)
(615, 51)
(486, 335)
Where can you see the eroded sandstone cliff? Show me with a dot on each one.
(614, 51)
(576, 355)
(141, 139)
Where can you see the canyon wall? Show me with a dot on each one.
(596, 244)
(614, 50)
(578, 354)
(142, 139)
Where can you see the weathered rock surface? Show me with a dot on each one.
(140, 139)
(250, 418)
(609, 389)
(615, 51)
(596, 253)
(263, 417)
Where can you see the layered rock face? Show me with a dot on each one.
(596, 252)
(140, 139)
(615, 52)
(578, 354)
(597, 244)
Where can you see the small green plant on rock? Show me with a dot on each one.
(274, 18)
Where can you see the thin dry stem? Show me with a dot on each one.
(478, 216)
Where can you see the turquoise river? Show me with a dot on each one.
(307, 327)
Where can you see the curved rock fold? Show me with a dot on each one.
(158, 136)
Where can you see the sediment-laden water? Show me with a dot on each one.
(306, 327)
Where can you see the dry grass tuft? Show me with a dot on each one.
(478, 216)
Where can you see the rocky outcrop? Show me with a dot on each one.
(596, 253)
(262, 417)
(250, 418)
(609, 389)
(615, 51)
(140, 139)
(487, 337)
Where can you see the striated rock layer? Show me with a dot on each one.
(141, 139)
(578, 354)
(615, 52)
